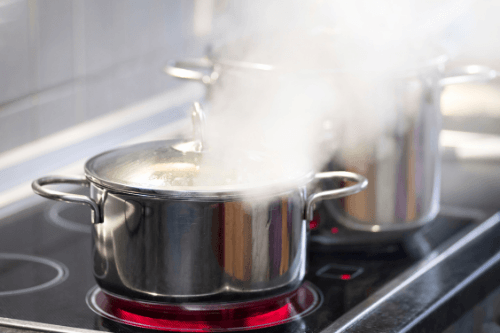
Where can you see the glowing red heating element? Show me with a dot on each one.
(207, 318)
(313, 224)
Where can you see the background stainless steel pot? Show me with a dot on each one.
(403, 168)
(154, 239)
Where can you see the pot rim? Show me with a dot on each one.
(219, 54)
(437, 61)
(206, 192)
(178, 193)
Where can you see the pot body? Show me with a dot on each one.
(170, 250)
(194, 244)
(403, 166)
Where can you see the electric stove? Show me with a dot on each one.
(46, 280)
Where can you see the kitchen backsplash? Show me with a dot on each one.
(64, 62)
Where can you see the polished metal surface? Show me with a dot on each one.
(172, 249)
(191, 244)
(198, 143)
(38, 184)
(360, 184)
(158, 168)
(187, 69)
(259, 53)
(176, 249)
(23, 326)
(469, 74)
(404, 169)
(174, 224)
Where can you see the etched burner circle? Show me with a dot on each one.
(207, 317)
(22, 273)
(63, 215)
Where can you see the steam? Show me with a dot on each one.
(328, 84)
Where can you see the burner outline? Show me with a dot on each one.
(62, 273)
(90, 299)
(56, 219)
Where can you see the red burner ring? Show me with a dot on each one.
(210, 317)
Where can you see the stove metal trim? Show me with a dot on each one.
(369, 305)
(41, 327)
(448, 295)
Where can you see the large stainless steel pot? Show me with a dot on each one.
(403, 168)
(159, 236)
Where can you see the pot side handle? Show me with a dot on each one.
(469, 74)
(185, 69)
(361, 183)
(38, 188)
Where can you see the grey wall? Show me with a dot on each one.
(63, 62)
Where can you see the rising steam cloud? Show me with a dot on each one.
(330, 79)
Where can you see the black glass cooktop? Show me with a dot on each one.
(45, 271)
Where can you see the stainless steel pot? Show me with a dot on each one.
(159, 236)
(403, 169)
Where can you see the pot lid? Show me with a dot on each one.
(181, 169)
(159, 168)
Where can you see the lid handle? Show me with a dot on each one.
(197, 144)
(199, 124)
